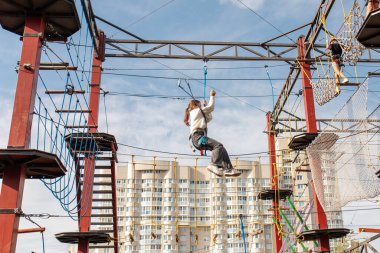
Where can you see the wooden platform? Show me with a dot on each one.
(349, 84)
(38, 164)
(81, 142)
(369, 33)
(61, 15)
(271, 194)
(302, 141)
(92, 236)
(331, 233)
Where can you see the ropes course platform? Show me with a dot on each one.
(39, 164)
(331, 233)
(302, 141)
(369, 35)
(348, 84)
(60, 15)
(272, 194)
(84, 142)
(91, 236)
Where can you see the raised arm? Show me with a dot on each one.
(211, 104)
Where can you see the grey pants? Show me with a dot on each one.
(219, 156)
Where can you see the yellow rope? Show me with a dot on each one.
(153, 188)
(134, 191)
(236, 193)
(176, 197)
(344, 10)
(356, 74)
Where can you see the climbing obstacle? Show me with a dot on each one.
(273, 194)
(353, 21)
(103, 210)
(301, 141)
(344, 157)
(38, 164)
(368, 35)
(92, 237)
(61, 17)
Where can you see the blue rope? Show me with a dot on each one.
(270, 82)
(38, 122)
(242, 231)
(45, 130)
(204, 93)
(204, 80)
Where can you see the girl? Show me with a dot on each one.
(197, 118)
(336, 53)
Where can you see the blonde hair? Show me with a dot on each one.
(192, 104)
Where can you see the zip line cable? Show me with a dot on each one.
(265, 20)
(211, 79)
(145, 16)
(48, 216)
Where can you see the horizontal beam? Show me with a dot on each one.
(369, 230)
(30, 230)
(227, 58)
(208, 43)
(73, 111)
(330, 120)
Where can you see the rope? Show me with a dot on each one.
(204, 82)
(270, 82)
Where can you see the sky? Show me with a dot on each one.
(157, 123)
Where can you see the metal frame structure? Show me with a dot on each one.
(268, 51)
(20, 132)
(210, 50)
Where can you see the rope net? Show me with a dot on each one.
(352, 49)
(343, 164)
(324, 88)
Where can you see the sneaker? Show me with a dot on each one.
(232, 173)
(215, 170)
(345, 80)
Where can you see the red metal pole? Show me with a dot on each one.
(372, 5)
(311, 125)
(89, 162)
(274, 182)
(21, 124)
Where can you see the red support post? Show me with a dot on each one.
(274, 182)
(311, 125)
(372, 5)
(21, 125)
(89, 162)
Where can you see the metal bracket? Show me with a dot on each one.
(11, 211)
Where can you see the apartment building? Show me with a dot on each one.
(165, 207)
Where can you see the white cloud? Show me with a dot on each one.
(253, 4)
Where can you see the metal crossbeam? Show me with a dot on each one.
(298, 125)
(211, 50)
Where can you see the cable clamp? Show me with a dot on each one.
(11, 211)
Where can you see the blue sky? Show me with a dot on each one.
(157, 123)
